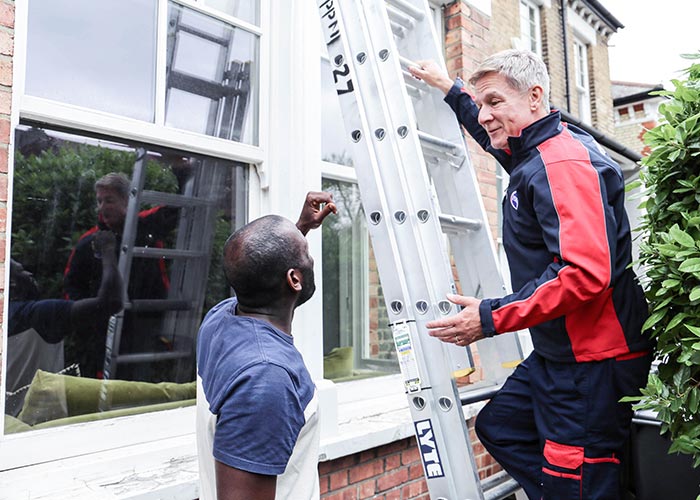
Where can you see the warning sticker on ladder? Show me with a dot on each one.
(407, 358)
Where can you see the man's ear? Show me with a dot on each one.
(294, 280)
(535, 96)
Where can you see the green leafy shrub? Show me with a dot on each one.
(670, 257)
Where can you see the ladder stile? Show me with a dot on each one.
(419, 193)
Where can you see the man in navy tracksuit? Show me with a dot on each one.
(556, 425)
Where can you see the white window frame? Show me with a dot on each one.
(530, 15)
(583, 87)
(100, 438)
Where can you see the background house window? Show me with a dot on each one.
(582, 81)
(209, 67)
(530, 30)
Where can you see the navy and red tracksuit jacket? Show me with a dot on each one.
(567, 238)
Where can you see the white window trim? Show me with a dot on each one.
(583, 91)
(582, 29)
(95, 440)
(535, 4)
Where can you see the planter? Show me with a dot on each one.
(656, 475)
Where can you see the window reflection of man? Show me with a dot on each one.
(148, 278)
(36, 328)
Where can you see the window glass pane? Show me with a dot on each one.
(335, 146)
(247, 10)
(357, 341)
(69, 234)
(212, 77)
(99, 55)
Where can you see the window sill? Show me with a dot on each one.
(167, 467)
(366, 422)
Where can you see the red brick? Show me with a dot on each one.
(392, 462)
(393, 495)
(410, 456)
(6, 72)
(368, 455)
(416, 471)
(366, 470)
(7, 14)
(7, 43)
(392, 479)
(414, 489)
(3, 185)
(5, 102)
(367, 489)
(393, 447)
(339, 480)
(323, 482)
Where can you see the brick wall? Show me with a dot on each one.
(7, 24)
(391, 472)
(468, 41)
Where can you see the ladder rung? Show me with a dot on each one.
(407, 8)
(455, 223)
(417, 85)
(173, 200)
(166, 253)
(499, 486)
(398, 30)
(158, 305)
(431, 140)
(143, 357)
(480, 394)
(502, 490)
(399, 17)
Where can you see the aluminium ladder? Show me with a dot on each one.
(417, 185)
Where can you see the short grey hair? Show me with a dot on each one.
(522, 69)
(119, 183)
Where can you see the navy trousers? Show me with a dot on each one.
(559, 428)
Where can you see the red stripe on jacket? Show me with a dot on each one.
(580, 291)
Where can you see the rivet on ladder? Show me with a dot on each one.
(380, 133)
(356, 135)
(375, 217)
(422, 306)
(419, 402)
(339, 59)
(400, 216)
(384, 54)
(396, 306)
(445, 403)
(423, 215)
(444, 306)
(402, 131)
(361, 57)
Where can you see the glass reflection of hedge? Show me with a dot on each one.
(54, 202)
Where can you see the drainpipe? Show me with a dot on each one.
(566, 55)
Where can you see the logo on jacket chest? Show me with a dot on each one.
(514, 200)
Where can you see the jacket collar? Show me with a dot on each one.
(533, 135)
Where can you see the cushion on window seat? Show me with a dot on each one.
(52, 396)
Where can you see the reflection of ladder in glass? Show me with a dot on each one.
(417, 185)
(229, 89)
(188, 271)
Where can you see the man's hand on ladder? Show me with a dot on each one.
(317, 206)
(462, 328)
(432, 74)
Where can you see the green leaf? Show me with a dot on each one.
(694, 294)
(690, 266)
(682, 237)
(653, 319)
(694, 329)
